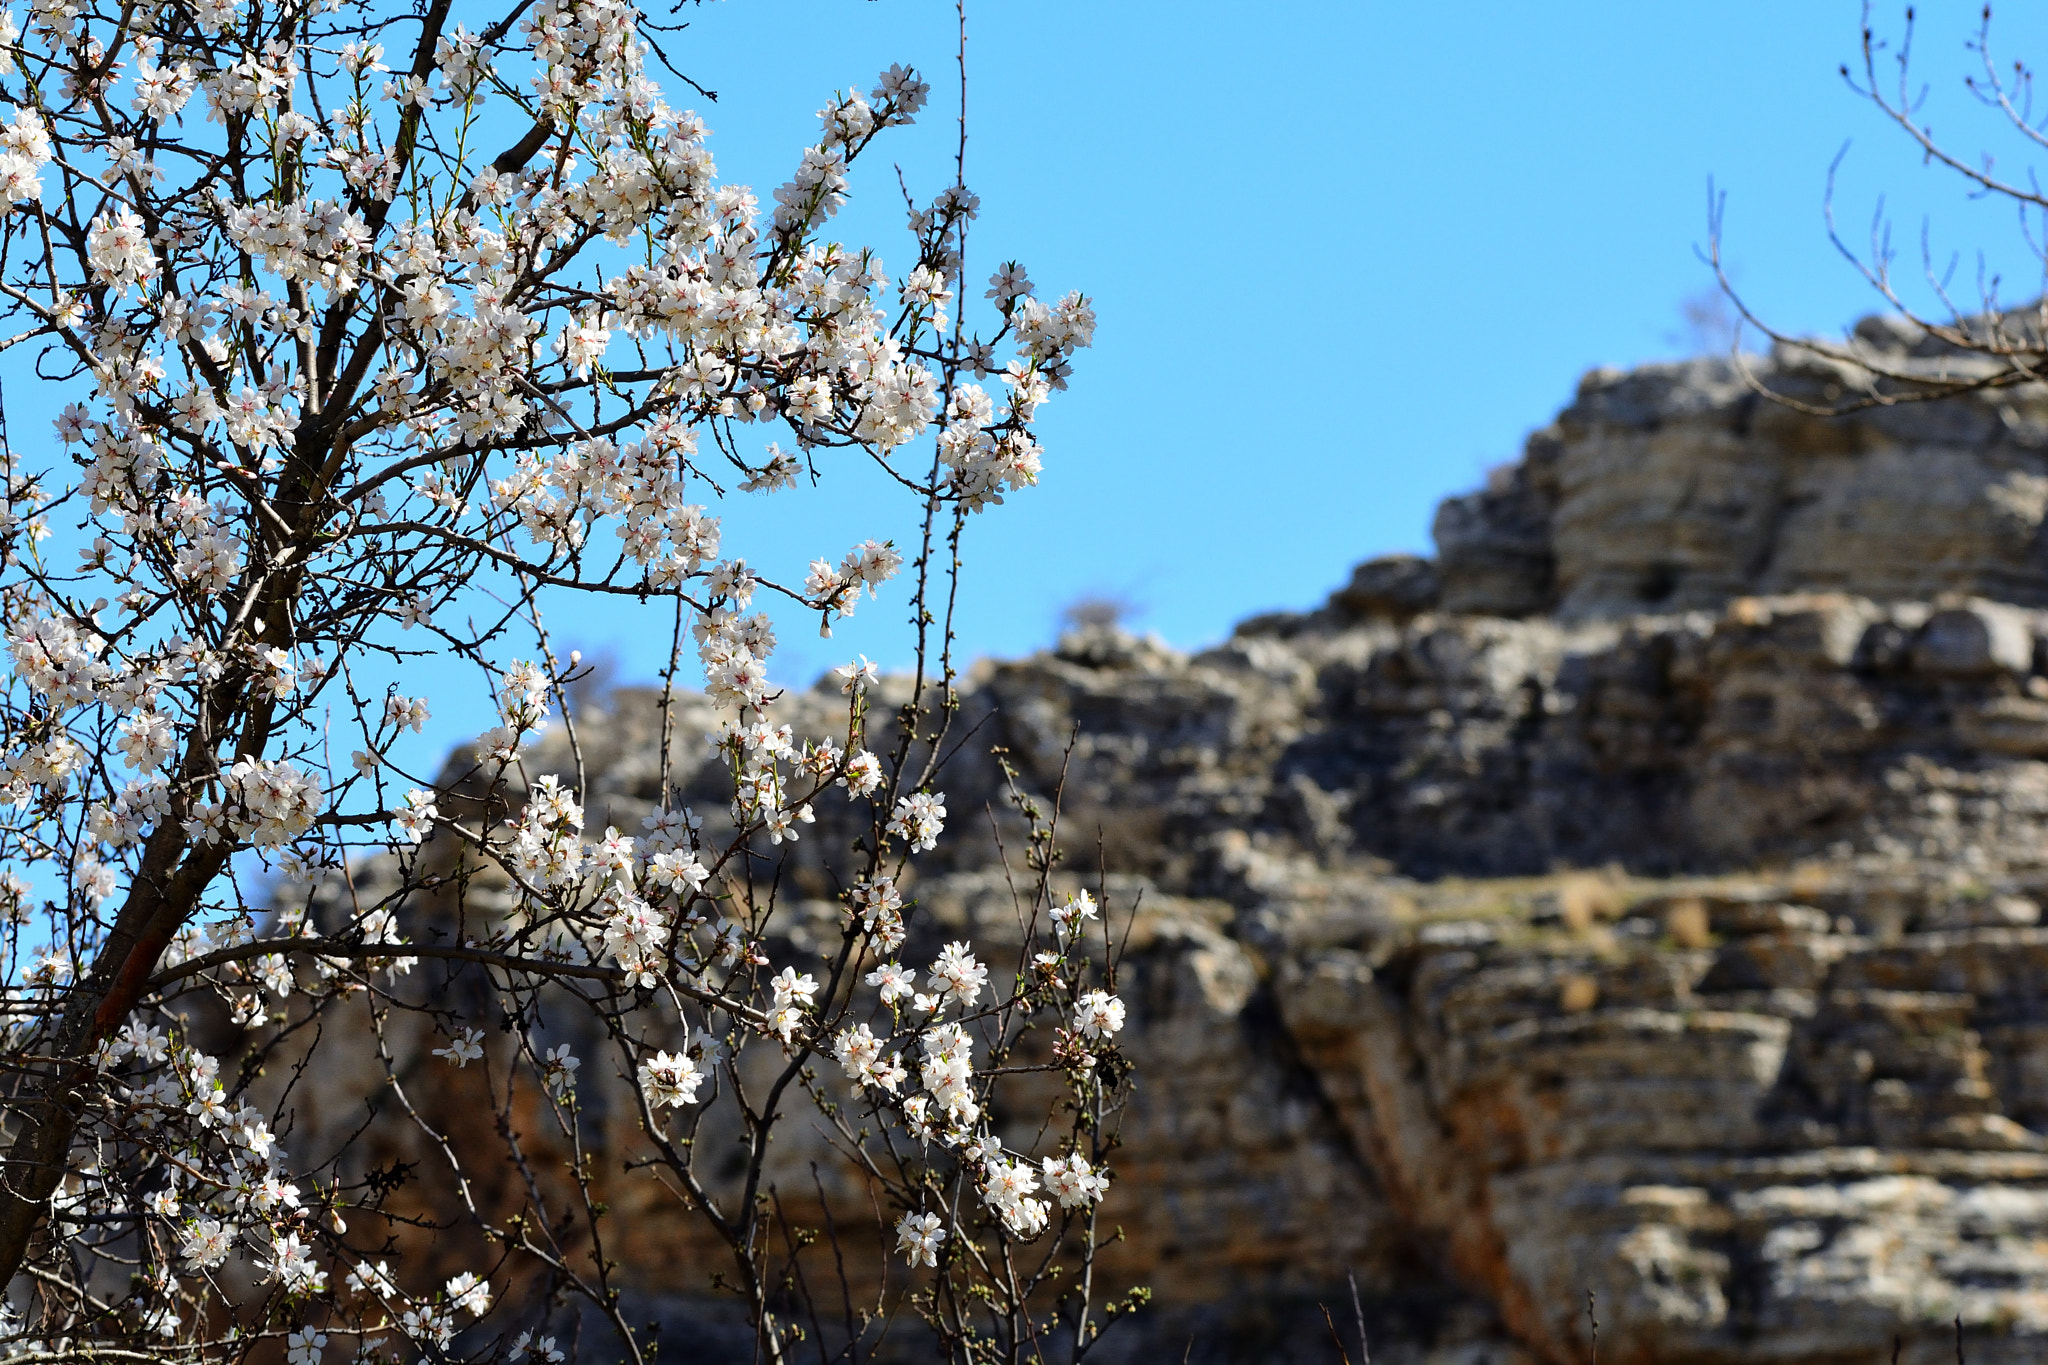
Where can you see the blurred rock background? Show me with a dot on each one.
(1643, 897)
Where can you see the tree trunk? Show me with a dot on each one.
(54, 1101)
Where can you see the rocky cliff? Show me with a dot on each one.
(1642, 897)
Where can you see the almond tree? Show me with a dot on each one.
(387, 334)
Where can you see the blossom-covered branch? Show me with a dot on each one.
(382, 338)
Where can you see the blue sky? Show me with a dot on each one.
(1345, 255)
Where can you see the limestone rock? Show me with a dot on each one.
(1396, 588)
(1644, 896)
(1676, 487)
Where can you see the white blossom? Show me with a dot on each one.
(1072, 1181)
(1098, 1014)
(919, 819)
(470, 1293)
(670, 1080)
(918, 1236)
(463, 1049)
(205, 1243)
(289, 1262)
(957, 975)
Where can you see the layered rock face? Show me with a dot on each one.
(1643, 897)
(1678, 487)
